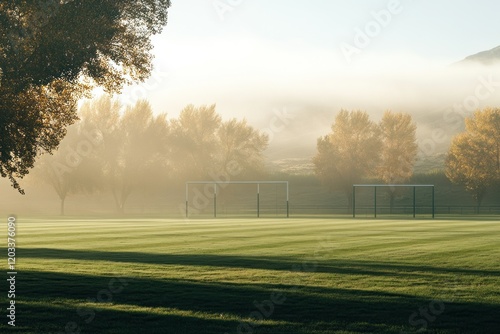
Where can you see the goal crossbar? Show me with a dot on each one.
(376, 186)
(216, 184)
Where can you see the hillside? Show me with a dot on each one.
(485, 57)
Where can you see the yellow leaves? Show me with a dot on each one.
(53, 52)
(358, 148)
(350, 151)
(241, 143)
(399, 148)
(204, 143)
(474, 156)
(107, 41)
(35, 120)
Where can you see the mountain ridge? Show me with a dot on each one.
(487, 57)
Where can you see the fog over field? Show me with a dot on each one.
(256, 59)
(287, 69)
(250, 166)
(304, 91)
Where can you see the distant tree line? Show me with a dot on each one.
(130, 150)
(357, 149)
(473, 160)
(135, 151)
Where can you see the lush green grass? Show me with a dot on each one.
(213, 276)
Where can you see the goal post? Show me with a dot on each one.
(216, 186)
(411, 186)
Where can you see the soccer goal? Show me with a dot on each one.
(405, 199)
(255, 198)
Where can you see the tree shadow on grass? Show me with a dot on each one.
(250, 262)
(49, 318)
(142, 306)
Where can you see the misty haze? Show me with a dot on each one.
(256, 167)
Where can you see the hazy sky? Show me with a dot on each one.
(256, 58)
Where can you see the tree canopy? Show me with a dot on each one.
(104, 40)
(398, 151)
(204, 144)
(349, 152)
(130, 150)
(473, 160)
(52, 52)
(73, 167)
(357, 148)
(399, 147)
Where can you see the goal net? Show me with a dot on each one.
(377, 200)
(237, 199)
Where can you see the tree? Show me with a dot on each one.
(473, 160)
(106, 41)
(73, 167)
(129, 152)
(32, 121)
(241, 145)
(195, 140)
(52, 52)
(144, 141)
(349, 153)
(206, 147)
(398, 150)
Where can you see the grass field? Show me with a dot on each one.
(256, 276)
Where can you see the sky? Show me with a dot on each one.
(289, 66)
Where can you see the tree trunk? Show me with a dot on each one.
(117, 202)
(478, 204)
(63, 199)
(479, 199)
(123, 199)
